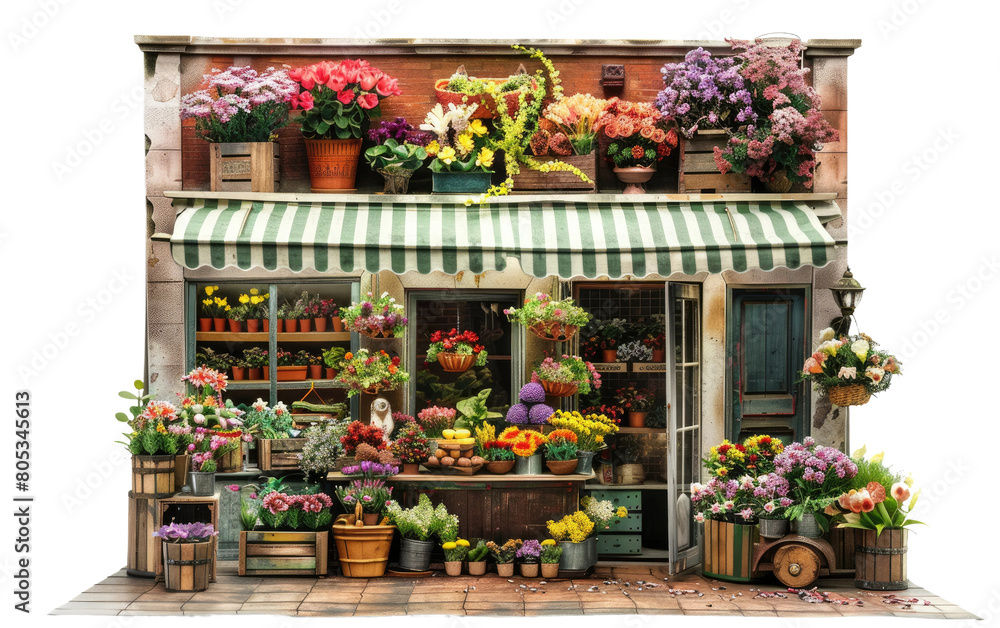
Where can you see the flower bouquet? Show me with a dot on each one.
(359, 433)
(322, 447)
(549, 319)
(849, 369)
(565, 377)
(640, 136)
(602, 513)
(568, 124)
(375, 317)
(456, 352)
(371, 372)
(590, 429)
(410, 445)
(755, 456)
(435, 420)
(524, 443)
(817, 475)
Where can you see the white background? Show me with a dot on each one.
(923, 240)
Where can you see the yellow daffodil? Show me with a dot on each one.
(209, 290)
(207, 302)
(466, 144)
(244, 298)
(485, 158)
(476, 127)
(446, 155)
(228, 308)
(432, 148)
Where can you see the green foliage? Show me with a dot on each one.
(392, 155)
(479, 552)
(140, 400)
(551, 554)
(474, 411)
(469, 85)
(333, 357)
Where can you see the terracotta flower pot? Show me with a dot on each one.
(253, 325)
(559, 389)
(219, 325)
(290, 325)
(239, 373)
(609, 355)
(305, 325)
(330, 373)
(204, 324)
(315, 371)
(319, 324)
(371, 518)
(338, 324)
(410, 468)
(659, 356)
(561, 467)
(455, 363)
(235, 327)
(255, 372)
(637, 419)
(333, 164)
(499, 467)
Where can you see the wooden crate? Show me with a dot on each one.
(283, 553)
(183, 499)
(279, 454)
(535, 180)
(729, 549)
(244, 167)
(698, 172)
(143, 548)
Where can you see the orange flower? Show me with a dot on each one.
(658, 136)
(393, 369)
(348, 356)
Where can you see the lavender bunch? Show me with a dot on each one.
(705, 92)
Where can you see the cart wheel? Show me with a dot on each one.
(796, 566)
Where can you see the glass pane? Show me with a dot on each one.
(485, 317)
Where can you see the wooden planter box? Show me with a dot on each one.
(880, 560)
(244, 167)
(283, 553)
(729, 550)
(232, 462)
(143, 547)
(535, 180)
(279, 454)
(698, 173)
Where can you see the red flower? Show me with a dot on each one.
(368, 101)
(387, 86)
(369, 77)
(346, 96)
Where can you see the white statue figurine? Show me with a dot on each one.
(382, 417)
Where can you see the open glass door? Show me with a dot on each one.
(683, 421)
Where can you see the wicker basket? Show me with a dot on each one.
(551, 330)
(853, 395)
(487, 103)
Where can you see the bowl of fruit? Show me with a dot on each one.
(455, 453)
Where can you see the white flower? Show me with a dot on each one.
(848, 372)
(827, 334)
(875, 374)
(829, 347)
(199, 419)
(769, 507)
(860, 348)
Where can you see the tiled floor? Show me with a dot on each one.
(612, 590)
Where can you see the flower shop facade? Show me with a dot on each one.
(729, 289)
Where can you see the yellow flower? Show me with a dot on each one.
(476, 127)
(244, 298)
(485, 158)
(207, 302)
(878, 457)
(446, 155)
(450, 545)
(254, 291)
(465, 142)
(622, 512)
(462, 543)
(547, 541)
(209, 290)
(267, 295)
(432, 148)
(229, 307)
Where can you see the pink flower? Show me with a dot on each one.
(234, 488)
(369, 78)
(346, 96)
(387, 86)
(848, 372)
(302, 101)
(700, 518)
(368, 101)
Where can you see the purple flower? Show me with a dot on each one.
(540, 413)
(531, 549)
(532, 392)
(517, 414)
(189, 532)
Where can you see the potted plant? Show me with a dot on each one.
(485, 93)
(333, 359)
(238, 315)
(477, 558)
(611, 333)
(551, 554)
(434, 420)
(188, 555)
(529, 555)
(591, 431)
(362, 433)
(239, 114)
(817, 475)
(531, 407)
(499, 456)
(206, 450)
(575, 535)
(461, 161)
(602, 513)
(239, 369)
(155, 439)
(337, 101)
(629, 451)
(456, 352)
(256, 360)
(769, 501)
(322, 448)
(254, 306)
(266, 424)
(656, 343)
(286, 314)
(849, 369)
(371, 372)
(381, 317)
(566, 130)
(305, 310)
(203, 407)
(637, 402)
(634, 351)
(416, 527)
(876, 505)
(397, 154)
(525, 445)
(372, 494)
(328, 310)
(639, 136)
(455, 552)
(504, 556)
(410, 446)
(292, 367)
(213, 308)
(783, 127)
(548, 318)
(567, 376)
(560, 452)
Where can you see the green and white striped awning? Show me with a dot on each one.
(572, 238)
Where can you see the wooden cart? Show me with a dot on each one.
(797, 561)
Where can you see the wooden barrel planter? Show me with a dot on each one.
(729, 550)
(271, 553)
(843, 540)
(154, 476)
(363, 550)
(187, 566)
(142, 545)
(880, 560)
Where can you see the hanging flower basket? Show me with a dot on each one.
(559, 389)
(550, 330)
(853, 395)
(455, 363)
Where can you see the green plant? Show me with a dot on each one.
(479, 552)
(302, 358)
(266, 422)
(323, 446)
(423, 520)
(333, 357)
(474, 411)
(395, 156)
(632, 399)
(461, 83)
(255, 357)
(213, 360)
(551, 552)
(460, 142)
(366, 370)
(504, 554)
(141, 401)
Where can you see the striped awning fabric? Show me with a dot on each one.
(549, 237)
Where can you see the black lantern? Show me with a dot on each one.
(847, 293)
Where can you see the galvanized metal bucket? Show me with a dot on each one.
(773, 528)
(202, 483)
(578, 556)
(808, 526)
(415, 555)
(584, 462)
(528, 465)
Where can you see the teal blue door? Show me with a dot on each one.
(766, 346)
